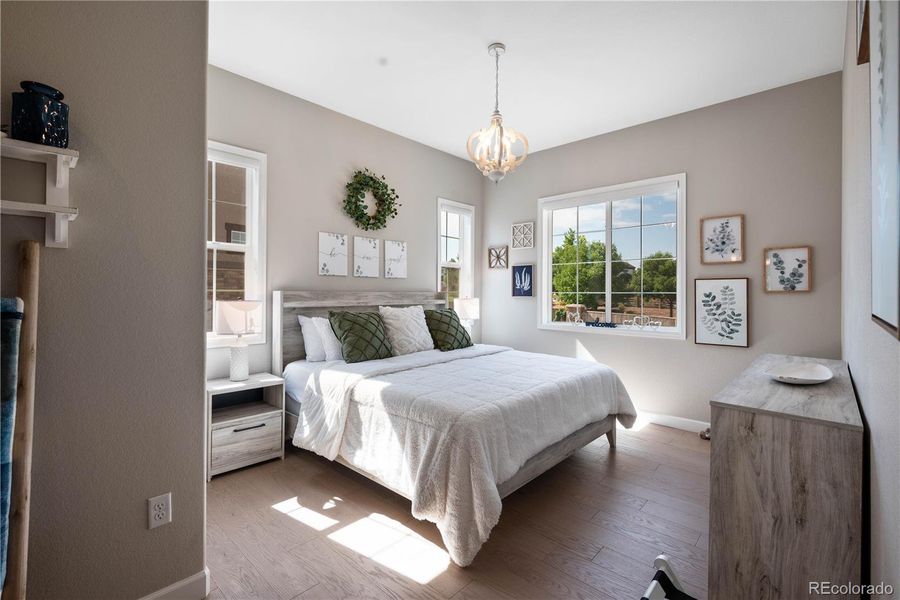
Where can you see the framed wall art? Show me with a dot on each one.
(522, 281)
(884, 82)
(523, 235)
(787, 269)
(721, 312)
(498, 257)
(333, 254)
(722, 240)
(394, 260)
(366, 252)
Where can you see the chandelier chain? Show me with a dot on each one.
(496, 82)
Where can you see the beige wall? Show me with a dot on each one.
(120, 386)
(873, 354)
(312, 152)
(774, 156)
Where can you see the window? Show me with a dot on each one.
(235, 232)
(455, 249)
(615, 255)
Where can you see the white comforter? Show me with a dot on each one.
(445, 428)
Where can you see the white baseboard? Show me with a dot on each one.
(195, 587)
(676, 422)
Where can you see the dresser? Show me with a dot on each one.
(786, 469)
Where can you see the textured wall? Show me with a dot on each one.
(120, 385)
(312, 152)
(774, 156)
(873, 354)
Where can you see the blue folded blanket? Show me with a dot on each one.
(11, 309)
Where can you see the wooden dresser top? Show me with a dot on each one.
(831, 403)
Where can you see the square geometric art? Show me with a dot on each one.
(523, 235)
(498, 257)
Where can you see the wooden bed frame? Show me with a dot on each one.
(287, 346)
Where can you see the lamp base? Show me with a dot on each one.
(240, 363)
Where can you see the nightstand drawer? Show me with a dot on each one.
(245, 442)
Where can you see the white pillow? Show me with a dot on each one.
(406, 329)
(312, 340)
(332, 345)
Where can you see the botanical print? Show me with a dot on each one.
(523, 235)
(522, 280)
(498, 257)
(332, 254)
(722, 239)
(365, 256)
(721, 312)
(788, 269)
(394, 260)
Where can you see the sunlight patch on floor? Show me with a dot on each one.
(395, 546)
(639, 424)
(311, 518)
(367, 536)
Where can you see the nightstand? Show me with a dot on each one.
(245, 422)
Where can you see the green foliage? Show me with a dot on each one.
(386, 200)
(658, 274)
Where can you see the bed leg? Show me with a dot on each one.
(611, 436)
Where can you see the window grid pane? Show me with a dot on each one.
(643, 255)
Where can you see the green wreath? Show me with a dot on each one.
(386, 200)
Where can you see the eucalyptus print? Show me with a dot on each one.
(789, 280)
(722, 239)
(788, 269)
(722, 242)
(720, 317)
(721, 312)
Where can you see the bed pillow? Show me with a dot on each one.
(406, 329)
(446, 330)
(312, 340)
(329, 339)
(362, 335)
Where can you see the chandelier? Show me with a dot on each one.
(497, 150)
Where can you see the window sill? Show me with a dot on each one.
(670, 334)
(227, 341)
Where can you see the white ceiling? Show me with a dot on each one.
(572, 69)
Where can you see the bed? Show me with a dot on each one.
(453, 432)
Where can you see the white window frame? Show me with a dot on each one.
(255, 247)
(609, 194)
(466, 263)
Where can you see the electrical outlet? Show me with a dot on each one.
(159, 510)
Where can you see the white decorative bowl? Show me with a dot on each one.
(801, 373)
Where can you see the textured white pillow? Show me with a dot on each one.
(406, 329)
(332, 345)
(312, 340)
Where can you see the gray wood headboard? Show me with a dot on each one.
(287, 341)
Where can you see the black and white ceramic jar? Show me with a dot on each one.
(39, 115)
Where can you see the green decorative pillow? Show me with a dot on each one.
(362, 335)
(446, 330)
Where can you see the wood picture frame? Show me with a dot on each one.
(862, 32)
(699, 320)
(808, 276)
(739, 245)
(498, 257)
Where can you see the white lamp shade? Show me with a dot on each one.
(468, 309)
(237, 317)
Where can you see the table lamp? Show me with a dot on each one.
(238, 317)
(468, 310)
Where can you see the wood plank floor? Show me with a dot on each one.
(304, 528)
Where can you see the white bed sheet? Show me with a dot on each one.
(445, 428)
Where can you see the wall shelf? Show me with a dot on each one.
(55, 211)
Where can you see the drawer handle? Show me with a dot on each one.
(240, 429)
